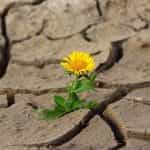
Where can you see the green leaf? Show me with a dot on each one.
(60, 101)
(77, 105)
(48, 114)
(67, 73)
(81, 85)
(85, 85)
(69, 104)
(83, 104)
(92, 76)
(75, 85)
(90, 104)
(73, 96)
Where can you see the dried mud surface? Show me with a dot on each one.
(38, 31)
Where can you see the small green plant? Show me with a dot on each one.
(81, 65)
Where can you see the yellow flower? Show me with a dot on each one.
(78, 62)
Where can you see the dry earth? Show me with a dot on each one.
(35, 31)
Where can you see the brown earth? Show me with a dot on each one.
(50, 29)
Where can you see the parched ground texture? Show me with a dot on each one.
(48, 30)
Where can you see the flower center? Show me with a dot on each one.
(78, 65)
